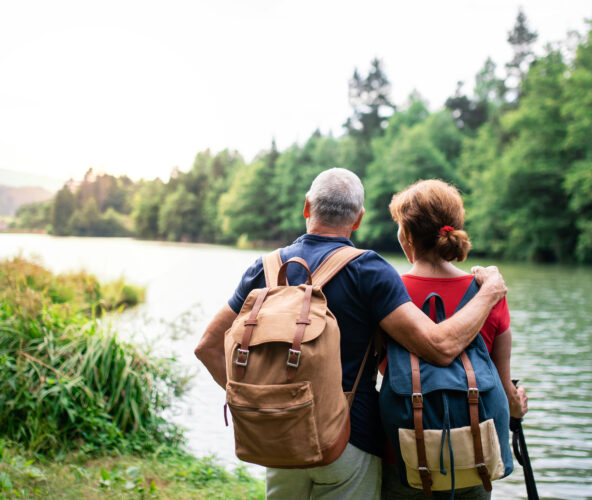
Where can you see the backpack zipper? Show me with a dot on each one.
(269, 410)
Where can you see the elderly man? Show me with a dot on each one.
(368, 292)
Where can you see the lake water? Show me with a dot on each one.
(186, 284)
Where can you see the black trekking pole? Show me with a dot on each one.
(521, 453)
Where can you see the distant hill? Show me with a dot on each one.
(13, 197)
(17, 178)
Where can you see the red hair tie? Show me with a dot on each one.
(446, 229)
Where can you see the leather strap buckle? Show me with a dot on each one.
(473, 395)
(242, 357)
(293, 358)
(426, 476)
(417, 400)
(482, 469)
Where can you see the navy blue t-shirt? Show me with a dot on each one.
(360, 296)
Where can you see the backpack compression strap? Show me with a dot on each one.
(473, 397)
(417, 404)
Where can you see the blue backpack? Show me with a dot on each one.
(447, 425)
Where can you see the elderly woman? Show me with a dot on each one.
(430, 216)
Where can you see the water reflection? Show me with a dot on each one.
(186, 284)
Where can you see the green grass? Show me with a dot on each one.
(68, 383)
(81, 410)
(166, 475)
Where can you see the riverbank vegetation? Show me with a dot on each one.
(517, 145)
(164, 474)
(81, 411)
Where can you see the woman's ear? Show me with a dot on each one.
(405, 245)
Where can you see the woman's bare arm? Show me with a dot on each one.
(500, 355)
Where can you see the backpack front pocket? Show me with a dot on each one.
(274, 424)
(438, 456)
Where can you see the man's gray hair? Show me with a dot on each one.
(336, 197)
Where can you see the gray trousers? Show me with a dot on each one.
(355, 475)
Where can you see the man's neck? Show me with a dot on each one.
(332, 232)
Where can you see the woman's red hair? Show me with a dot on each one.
(423, 209)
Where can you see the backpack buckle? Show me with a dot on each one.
(242, 358)
(417, 400)
(293, 358)
(473, 395)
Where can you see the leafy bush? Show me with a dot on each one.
(65, 381)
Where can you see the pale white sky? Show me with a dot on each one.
(139, 87)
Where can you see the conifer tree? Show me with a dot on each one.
(521, 38)
(369, 98)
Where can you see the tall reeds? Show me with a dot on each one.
(65, 381)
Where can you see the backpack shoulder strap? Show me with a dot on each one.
(271, 267)
(439, 304)
(334, 263)
(469, 294)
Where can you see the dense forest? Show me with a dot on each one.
(518, 146)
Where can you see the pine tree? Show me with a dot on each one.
(521, 38)
(369, 97)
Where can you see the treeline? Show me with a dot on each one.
(518, 146)
(100, 205)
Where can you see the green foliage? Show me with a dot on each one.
(417, 150)
(247, 207)
(147, 202)
(525, 184)
(369, 97)
(98, 206)
(469, 114)
(480, 167)
(35, 216)
(296, 168)
(167, 474)
(488, 87)
(118, 294)
(65, 382)
(89, 221)
(107, 191)
(63, 209)
(577, 112)
(220, 170)
(180, 217)
(521, 39)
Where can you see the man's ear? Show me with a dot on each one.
(306, 210)
(358, 220)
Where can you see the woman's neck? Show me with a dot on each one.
(435, 269)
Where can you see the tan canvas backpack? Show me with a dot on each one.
(283, 365)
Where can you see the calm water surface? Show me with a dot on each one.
(186, 284)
